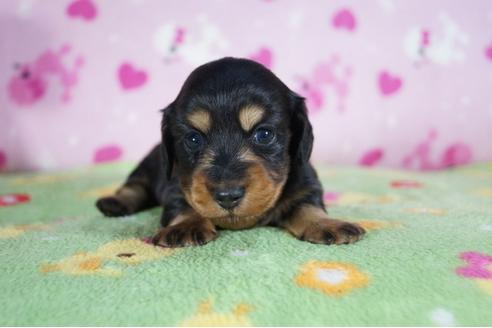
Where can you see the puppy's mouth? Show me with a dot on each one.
(233, 214)
(235, 204)
(233, 209)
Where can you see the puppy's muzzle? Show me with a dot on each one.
(228, 198)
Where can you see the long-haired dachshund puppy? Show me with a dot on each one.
(234, 154)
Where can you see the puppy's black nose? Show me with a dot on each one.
(229, 198)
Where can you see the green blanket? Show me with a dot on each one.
(426, 259)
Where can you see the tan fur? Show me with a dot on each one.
(178, 219)
(303, 217)
(235, 222)
(199, 197)
(133, 196)
(262, 192)
(200, 120)
(261, 195)
(283, 207)
(312, 224)
(249, 116)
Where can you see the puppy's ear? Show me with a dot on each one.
(302, 138)
(167, 144)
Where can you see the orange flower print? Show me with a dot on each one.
(369, 225)
(426, 210)
(206, 316)
(332, 278)
(102, 261)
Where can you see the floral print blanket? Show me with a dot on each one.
(426, 259)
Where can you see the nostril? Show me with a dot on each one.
(237, 193)
(229, 198)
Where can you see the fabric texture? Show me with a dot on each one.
(426, 258)
(389, 83)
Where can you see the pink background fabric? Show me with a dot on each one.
(402, 84)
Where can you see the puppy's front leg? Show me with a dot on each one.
(311, 223)
(186, 229)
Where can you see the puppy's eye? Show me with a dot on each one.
(263, 136)
(193, 140)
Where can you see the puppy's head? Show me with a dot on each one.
(232, 136)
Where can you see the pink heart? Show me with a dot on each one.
(263, 56)
(477, 265)
(331, 196)
(371, 157)
(131, 78)
(84, 9)
(488, 52)
(344, 19)
(456, 154)
(107, 153)
(389, 84)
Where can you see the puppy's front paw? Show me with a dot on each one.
(330, 231)
(188, 233)
(112, 206)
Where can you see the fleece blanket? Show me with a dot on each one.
(426, 259)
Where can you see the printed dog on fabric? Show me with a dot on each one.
(235, 154)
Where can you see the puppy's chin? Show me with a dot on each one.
(238, 218)
(233, 222)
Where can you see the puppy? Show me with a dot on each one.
(234, 154)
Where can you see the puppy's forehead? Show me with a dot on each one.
(236, 107)
(246, 116)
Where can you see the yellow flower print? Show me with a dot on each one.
(130, 252)
(369, 224)
(12, 231)
(486, 192)
(42, 179)
(354, 198)
(426, 210)
(485, 285)
(100, 191)
(332, 278)
(81, 264)
(205, 316)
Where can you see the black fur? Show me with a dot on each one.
(222, 88)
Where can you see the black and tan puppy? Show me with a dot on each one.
(235, 154)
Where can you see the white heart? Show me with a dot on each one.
(9, 199)
(442, 317)
(331, 276)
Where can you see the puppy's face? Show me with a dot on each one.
(228, 137)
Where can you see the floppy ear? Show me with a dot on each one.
(167, 143)
(302, 138)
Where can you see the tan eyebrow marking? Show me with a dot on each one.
(249, 116)
(201, 120)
